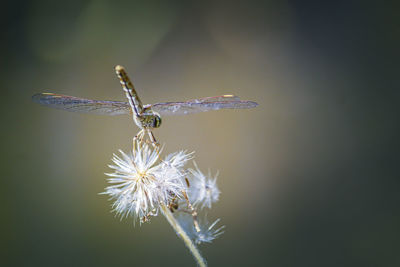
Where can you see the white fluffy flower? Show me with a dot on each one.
(141, 185)
(203, 190)
(207, 232)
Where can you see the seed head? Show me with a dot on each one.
(140, 185)
(207, 232)
(203, 190)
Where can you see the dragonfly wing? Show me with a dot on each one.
(202, 105)
(76, 104)
(222, 98)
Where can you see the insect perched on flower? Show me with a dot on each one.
(143, 184)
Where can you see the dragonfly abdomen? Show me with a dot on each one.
(129, 90)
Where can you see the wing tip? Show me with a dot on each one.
(36, 97)
(252, 104)
(255, 104)
(42, 98)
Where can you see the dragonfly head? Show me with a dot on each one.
(148, 119)
(156, 121)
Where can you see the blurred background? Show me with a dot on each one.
(308, 178)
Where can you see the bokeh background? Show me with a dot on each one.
(308, 178)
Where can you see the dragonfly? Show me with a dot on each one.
(146, 117)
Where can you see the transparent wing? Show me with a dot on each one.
(221, 98)
(76, 104)
(201, 105)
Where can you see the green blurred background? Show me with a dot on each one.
(308, 178)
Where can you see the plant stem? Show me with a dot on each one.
(182, 234)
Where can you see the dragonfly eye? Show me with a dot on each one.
(156, 121)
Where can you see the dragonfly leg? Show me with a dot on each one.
(138, 139)
(153, 140)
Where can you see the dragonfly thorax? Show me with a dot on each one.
(148, 119)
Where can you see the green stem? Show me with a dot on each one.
(182, 234)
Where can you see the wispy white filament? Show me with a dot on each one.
(203, 190)
(208, 232)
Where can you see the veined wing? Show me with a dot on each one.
(221, 98)
(201, 105)
(76, 104)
